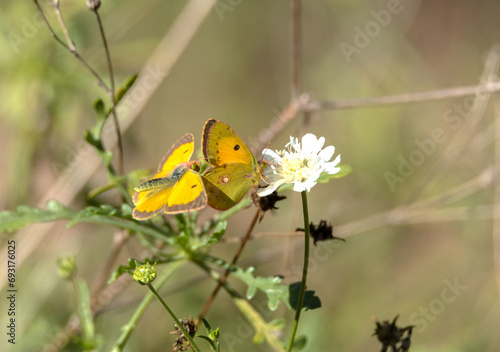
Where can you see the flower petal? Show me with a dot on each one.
(327, 153)
(270, 156)
(299, 187)
(266, 191)
(311, 144)
(331, 166)
(331, 169)
(337, 160)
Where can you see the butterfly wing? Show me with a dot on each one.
(151, 202)
(226, 185)
(180, 152)
(188, 194)
(222, 146)
(181, 189)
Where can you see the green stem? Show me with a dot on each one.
(181, 327)
(304, 272)
(130, 326)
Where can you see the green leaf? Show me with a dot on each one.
(125, 88)
(206, 338)
(100, 108)
(344, 171)
(299, 343)
(11, 221)
(105, 215)
(85, 312)
(263, 331)
(269, 285)
(126, 210)
(213, 335)
(215, 237)
(310, 300)
(122, 269)
(207, 325)
(93, 140)
(219, 231)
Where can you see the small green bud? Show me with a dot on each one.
(66, 266)
(144, 273)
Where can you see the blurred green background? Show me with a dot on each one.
(237, 69)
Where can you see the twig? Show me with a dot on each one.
(112, 92)
(430, 95)
(465, 133)
(402, 216)
(296, 44)
(72, 48)
(405, 213)
(496, 194)
(223, 279)
(265, 136)
(69, 41)
(74, 178)
(396, 215)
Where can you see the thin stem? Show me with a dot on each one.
(127, 329)
(112, 93)
(172, 315)
(69, 41)
(496, 195)
(296, 45)
(304, 272)
(437, 94)
(223, 279)
(464, 134)
(280, 122)
(72, 49)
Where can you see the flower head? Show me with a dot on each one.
(144, 273)
(300, 164)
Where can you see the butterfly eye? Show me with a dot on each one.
(237, 147)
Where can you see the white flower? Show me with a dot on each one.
(300, 165)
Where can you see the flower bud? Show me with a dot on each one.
(66, 266)
(93, 4)
(144, 273)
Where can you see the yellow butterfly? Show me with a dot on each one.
(234, 169)
(176, 188)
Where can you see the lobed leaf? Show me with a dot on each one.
(269, 285)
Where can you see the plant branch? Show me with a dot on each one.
(128, 328)
(83, 166)
(112, 92)
(420, 211)
(296, 46)
(496, 195)
(417, 97)
(465, 133)
(223, 279)
(280, 122)
(174, 317)
(71, 48)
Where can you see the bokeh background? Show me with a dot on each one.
(237, 69)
